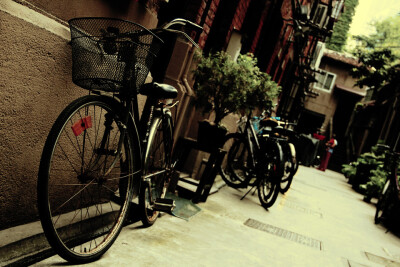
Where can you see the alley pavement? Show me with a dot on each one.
(320, 221)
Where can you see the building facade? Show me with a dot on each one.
(330, 109)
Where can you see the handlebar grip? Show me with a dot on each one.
(185, 23)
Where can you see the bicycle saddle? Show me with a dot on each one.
(159, 90)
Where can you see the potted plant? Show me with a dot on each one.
(224, 86)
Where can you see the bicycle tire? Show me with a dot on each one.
(84, 187)
(396, 181)
(235, 173)
(290, 167)
(389, 197)
(270, 174)
(380, 206)
(157, 158)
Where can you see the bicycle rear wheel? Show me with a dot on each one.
(157, 159)
(389, 200)
(238, 167)
(84, 184)
(290, 166)
(270, 174)
(382, 202)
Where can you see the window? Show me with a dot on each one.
(319, 17)
(319, 51)
(337, 8)
(325, 80)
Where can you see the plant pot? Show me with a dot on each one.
(210, 136)
(362, 176)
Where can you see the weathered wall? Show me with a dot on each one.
(35, 86)
(326, 103)
(131, 10)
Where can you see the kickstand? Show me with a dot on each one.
(249, 192)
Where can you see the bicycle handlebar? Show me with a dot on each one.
(183, 22)
(186, 23)
(113, 32)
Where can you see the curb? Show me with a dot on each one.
(25, 251)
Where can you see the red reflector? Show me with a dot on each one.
(82, 125)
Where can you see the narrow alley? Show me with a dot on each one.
(320, 221)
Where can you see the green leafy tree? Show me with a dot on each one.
(378, 54)
(341, 28)
(225, 86)
(387, 35)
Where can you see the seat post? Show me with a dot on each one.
(147, 115)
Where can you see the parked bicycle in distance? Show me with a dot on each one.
(388, 206)
(253, 160)
(99, 155)
(271, 127)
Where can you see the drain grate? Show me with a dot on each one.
(292, 236)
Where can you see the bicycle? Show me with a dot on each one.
(99, 155)
(389, 199)
(272, 127)
(253, 160)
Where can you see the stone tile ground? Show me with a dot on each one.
(320, 221)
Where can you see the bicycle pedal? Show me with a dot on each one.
(164, 205)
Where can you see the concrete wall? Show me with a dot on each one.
(64, 10)
(35, 86)
(326, 103)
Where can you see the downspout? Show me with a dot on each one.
(184, 78)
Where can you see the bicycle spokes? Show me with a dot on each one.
(86, 179)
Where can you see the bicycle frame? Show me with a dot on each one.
(252, 141)
(129, 100)
(251, 135)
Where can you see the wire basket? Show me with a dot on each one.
(111, 54)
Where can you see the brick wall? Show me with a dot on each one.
(258, 32)
(238, 18)
(240, 14)
(208, 21)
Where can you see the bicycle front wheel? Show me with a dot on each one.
(290, 166)
(270, 174)
(238, 167)
(156, 175)
(85, 183)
